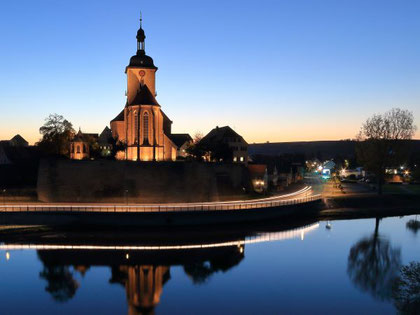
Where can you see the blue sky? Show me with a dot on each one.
(273, 70)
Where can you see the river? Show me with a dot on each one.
(330, 267)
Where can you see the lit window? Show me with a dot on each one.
(242, 159)
(136, 127)
(146, 127)
(235, 159)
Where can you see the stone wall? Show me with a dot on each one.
(140, 182)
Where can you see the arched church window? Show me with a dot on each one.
(84, 148)
(146, 127)
(136, 127)
(78, 149)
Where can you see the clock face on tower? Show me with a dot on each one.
(142, 73)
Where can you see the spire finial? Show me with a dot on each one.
(141, 20)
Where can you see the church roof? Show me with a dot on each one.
(180, 138)
(120, 117)
(84, 137)
(144, 97)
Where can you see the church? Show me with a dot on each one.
(142, 126)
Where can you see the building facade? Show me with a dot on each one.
(219, 137)
(142, 126)
(79, 147)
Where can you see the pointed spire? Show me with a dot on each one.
(141, 20)
(140, 37)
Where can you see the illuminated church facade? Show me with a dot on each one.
(142, 126)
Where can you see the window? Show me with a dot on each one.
(136, 127)
(78, 149)
(242, 159)
(84, 148)
(146, 127)
(235, 159)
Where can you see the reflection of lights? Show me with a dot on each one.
(127, 256)
(7, 255)
(319, 168)
(302, 235)
(261, 238)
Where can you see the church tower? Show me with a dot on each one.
(142, 126)
(141, 69)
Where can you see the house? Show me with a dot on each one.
(259, 177)
(182, 141)
(18, 141)
(14, 150)
(221, 138)
(328, 168)
(106, 142)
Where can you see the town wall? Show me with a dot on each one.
(139, 182)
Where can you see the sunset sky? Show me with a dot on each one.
(273, 70)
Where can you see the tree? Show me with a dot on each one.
(57, 133)
(382, 141)
(406, 292)
(373, 265)
(195, 149)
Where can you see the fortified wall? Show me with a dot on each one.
(140, 182)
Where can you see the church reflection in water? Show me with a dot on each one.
(143, 285)
(143, 274)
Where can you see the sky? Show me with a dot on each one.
(274, 71)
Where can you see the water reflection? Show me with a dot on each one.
(142, 274)
(373, 265)
(60, 282)
(413, 225)
(142, 262)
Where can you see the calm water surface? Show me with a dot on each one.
(337, 267)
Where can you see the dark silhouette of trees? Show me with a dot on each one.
(196, 149)
(57, 133)
(406, 292)
(60, 282)
(373, 265)
(382, 141)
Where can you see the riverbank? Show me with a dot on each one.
(369, 206)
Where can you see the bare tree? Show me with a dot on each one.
(383, 141)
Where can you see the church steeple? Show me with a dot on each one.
(141, 38)
(140, 59)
